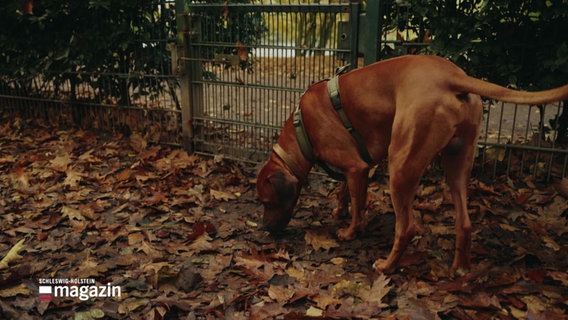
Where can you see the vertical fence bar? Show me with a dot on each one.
(354, 21)
(370, 42)
(183, 74)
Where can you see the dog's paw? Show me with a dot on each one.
(459, 271)
(339, 212)
(346, 234)
(381, 266)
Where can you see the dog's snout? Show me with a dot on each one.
(275, 221)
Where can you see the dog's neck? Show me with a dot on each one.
(288, 152)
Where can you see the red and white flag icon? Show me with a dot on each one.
(45, 293)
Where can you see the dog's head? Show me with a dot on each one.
(278, 190)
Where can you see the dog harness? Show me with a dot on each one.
(305, 143)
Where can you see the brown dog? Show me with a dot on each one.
(410, 109)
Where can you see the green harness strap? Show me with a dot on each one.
(304, 141)
(333, 90)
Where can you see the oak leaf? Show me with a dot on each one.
(320, 241)
(72, 213)
(380, 288)
(72, 178)
(60, 163)
(222, 195)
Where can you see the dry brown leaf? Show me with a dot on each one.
(13, 291)
(202, 243)
(280, 294)
(562, 277)
(91, 267)
(135, 238)
(380, 288)
(314, 312)
(138, 142)
(296, 273)
(324, 299)
(72, 213)
(222, 195)
(72, 178)
(320, 241)
(348, 287)
(150, 250)
(248, 263)
(132, 304)
(12, 255)
(20, 178)
(60, 163)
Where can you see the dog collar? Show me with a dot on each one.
(289, 161)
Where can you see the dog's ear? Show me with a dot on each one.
(284, 185)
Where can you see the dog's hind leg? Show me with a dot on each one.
(414, 144)
(457, 166)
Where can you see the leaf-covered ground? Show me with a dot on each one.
(180, 234)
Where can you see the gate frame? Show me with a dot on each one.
(189, 69)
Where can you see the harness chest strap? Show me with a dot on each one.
(304, 141)
(307, 149)
(333, 90)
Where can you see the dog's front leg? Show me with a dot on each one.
(341, 195)
(356, 181)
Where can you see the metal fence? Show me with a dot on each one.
(241, 88)
(515, 140)
(521, 139)
(239, 70)
(132, 98)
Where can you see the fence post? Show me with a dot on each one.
(354, 21)
(370, 29)
(182, 70)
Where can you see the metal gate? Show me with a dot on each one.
(244, 67)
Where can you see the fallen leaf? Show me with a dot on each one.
(72, 178)
(12, 255)
(138, 142)
(314, 312)
(202, 243)
(348, 287)
(248, 262)
(222, 195)
(20, 289)
(132, 304)
(72, 213)
(378, 291)
(295, 273)
(60, 163)
(280, 294)
(320, 240)
(323, 300)
(135, 238)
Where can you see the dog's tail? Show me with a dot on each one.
(464, 83)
